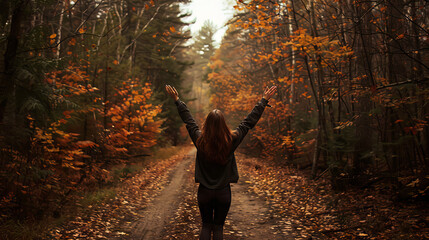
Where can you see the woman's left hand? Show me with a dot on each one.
(269, 92)
(172, 92)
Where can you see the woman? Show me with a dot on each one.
(215, 166)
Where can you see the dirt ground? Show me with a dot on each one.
(249, 215)
(165, 217)
(156, 215)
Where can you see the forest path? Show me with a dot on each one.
(249, 216)
(156, 215)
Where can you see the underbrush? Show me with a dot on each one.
(124, 171)
(95, 197)
(24, 230)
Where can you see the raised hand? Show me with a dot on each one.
(269, 92)
(172, 92)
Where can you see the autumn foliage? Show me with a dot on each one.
(133, 124)
(351, 85)
(59, 159)
(77, 99)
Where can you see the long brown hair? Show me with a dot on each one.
(216, 138)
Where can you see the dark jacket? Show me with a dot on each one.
(213, 175)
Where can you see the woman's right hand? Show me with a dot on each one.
(269, 92)
(172, 92)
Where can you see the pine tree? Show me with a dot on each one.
(200, 52)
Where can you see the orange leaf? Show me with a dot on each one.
(81, 30)
(116, 62)
(172, 29)
(72, 42)
(85, 144)
(53, 35)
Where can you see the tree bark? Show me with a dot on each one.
(7, 81)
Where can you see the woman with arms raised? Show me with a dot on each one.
(215, 166)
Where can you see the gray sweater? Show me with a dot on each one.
(214, 175)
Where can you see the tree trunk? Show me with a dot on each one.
(7, 81)
(60, 27)
(363, 146)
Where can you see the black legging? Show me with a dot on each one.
(214, 206)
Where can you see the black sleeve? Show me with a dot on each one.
(250, 121)
(191, 125)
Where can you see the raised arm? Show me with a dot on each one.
(250, 121)
(185, 114)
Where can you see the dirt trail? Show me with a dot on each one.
(249, 216)
(168, 215)
(156, 215)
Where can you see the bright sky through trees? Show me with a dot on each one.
(218, 11)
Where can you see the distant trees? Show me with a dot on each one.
(352, 79)
(200, 51)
